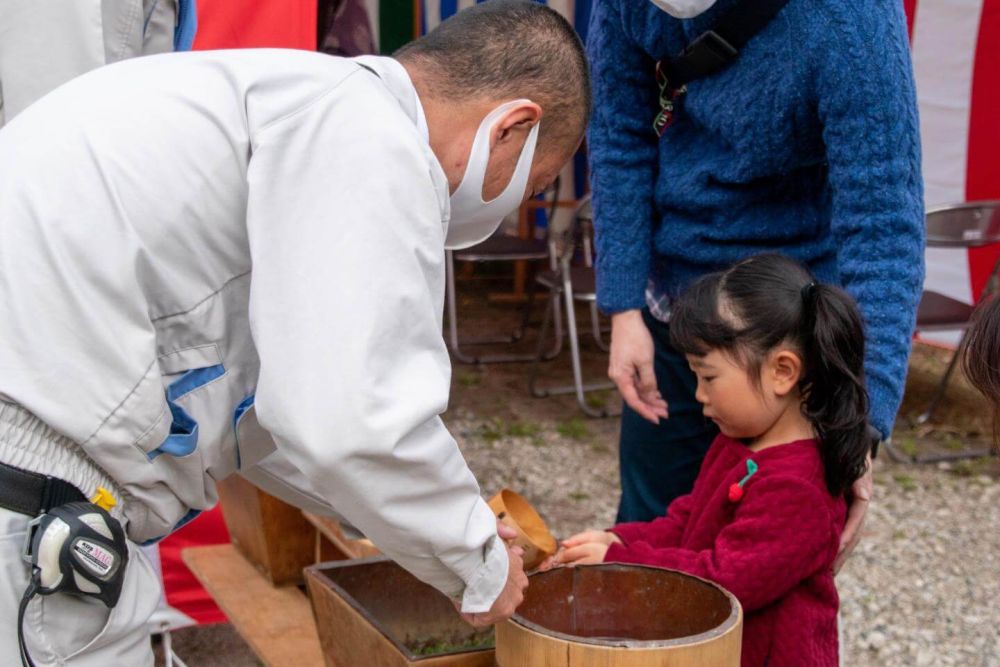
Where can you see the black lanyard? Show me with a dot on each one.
(710, 52)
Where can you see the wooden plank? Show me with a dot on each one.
(277, 623)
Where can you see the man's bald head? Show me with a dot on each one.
(504, 50)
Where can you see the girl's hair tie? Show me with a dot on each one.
(809, 292)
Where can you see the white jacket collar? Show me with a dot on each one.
(397, 80)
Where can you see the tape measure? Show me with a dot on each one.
(76, 548)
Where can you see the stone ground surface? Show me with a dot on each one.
(921, 589)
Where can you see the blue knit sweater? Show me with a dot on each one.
(807, 145)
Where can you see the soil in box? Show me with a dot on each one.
(374, 613)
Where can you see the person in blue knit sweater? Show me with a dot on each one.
(807, 145)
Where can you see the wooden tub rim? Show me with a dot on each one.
(317, 571)
(732, 621)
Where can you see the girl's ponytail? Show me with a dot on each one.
(833, 387)
(771, 300)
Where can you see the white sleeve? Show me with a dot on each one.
(346, 241)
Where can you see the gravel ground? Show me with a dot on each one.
(922, 587)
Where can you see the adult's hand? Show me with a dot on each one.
(505, 532)
(510, 597)
(631, 365)
(861, 492)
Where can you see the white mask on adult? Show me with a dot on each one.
(683, 9)
(472, 219)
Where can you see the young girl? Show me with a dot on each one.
(779, 364)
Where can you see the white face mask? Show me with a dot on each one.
(683, 9)
(472, 219)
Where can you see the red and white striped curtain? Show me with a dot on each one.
(956, 59)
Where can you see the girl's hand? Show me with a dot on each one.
(550, 562)
(604, 537)
(586, 548)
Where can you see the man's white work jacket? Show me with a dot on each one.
(233, 261)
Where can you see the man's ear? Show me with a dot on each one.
(785, 369)
(521, 118)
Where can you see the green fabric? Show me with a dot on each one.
(395, 24)
(751, 469)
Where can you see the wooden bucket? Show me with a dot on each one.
(616, 615)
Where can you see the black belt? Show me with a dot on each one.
(32, 493)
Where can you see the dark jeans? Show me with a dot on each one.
(660, 463)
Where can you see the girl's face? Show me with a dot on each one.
(739, 407)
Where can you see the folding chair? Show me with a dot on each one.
(500, 247)
(969, 225)
(574, 284)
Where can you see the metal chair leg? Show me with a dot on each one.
(574, 346)
(928, 414)
(889, 448)
(556, 341)
(595, 328)
(452, 310)
(453, 343)
(559, 333)
(526, 314)
(943, 384)
(551, 306)
(578, 387)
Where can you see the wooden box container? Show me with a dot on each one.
(270, 533)
(332, 544)
(372, 612)
(622, 616)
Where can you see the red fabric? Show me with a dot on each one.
(911, 14)
(182, 590)
(238, 24)
(773, 548)
(983, 169)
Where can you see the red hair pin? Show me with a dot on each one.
(736, 490)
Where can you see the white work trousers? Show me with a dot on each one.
(71, 631)
(45, 43)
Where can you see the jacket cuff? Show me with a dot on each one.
(616, 553)
(629, 532)
(883, 406)
(621, 288)
(488, 581)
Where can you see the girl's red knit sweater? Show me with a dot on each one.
(773, 547)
